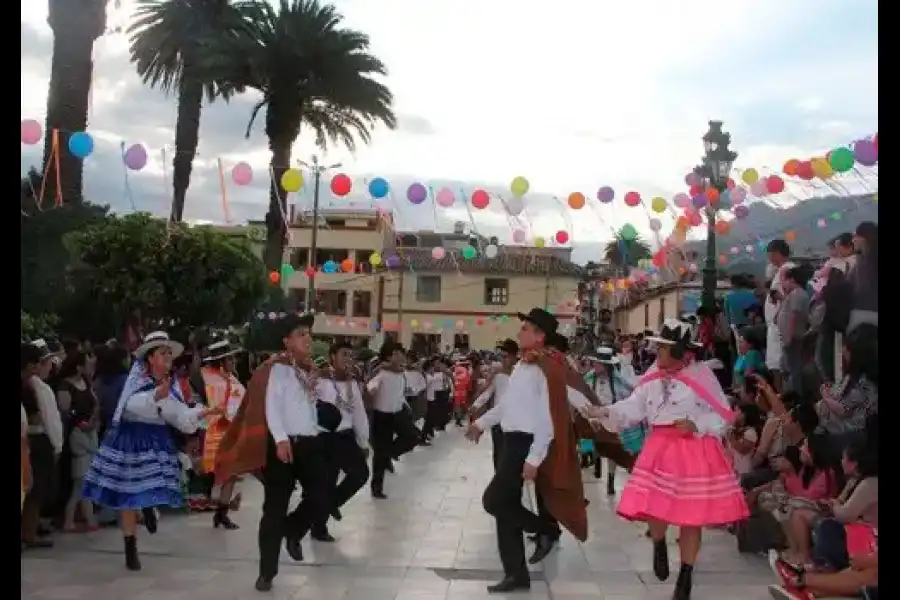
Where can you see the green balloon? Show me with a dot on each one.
(287, 270)
(628, 232)
(469, 252)
(841, 160)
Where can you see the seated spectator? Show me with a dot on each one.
(750, 357)
(860, 577)
(743, 438)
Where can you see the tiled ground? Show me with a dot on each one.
(430, 541)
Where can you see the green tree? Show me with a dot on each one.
(38, 326)
(625, 253)
(167, 40)
(181, 276)
(311, 71)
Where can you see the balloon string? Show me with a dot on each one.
(52, 160)
(59, 193)
(471, 219)
(128, 193)
(223, 188)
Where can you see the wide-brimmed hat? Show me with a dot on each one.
(508, 345)
(221, 349)
(603, 355)
(673, 332)
(541, 319)
(43, 349)
(158, 339)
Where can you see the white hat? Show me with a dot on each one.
(604, 355)
(158, 339)
(673, 332)
(221, 349)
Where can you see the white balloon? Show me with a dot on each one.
(515, 205)
(491, 251)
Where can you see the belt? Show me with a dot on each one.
(294, 439)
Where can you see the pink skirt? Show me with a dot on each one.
(683, 480)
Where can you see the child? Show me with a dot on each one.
(750, 358)
(744, 437)
(83, 443)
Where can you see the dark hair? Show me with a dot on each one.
(338, 346)
(779, 246)
(845, 240)
(30, 355)
(753, 417)
(865, 457)
(70, 364)
(862, 343)
(819, 447)
(112, 360)
(797, 275)
(804, 415)
(749, 335)
(70, 346)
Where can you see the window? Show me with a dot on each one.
(391, 336)
(362, 304)
(331, 302)
(496, 292)
(646, 315)
(300, 258)
(425, 344)
(662, 313)
(461, 342)
(323, 255)
(428, 288)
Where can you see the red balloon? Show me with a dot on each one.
(309, 272)
(480, 199)
(562, 237)
(632, 199)
(805, 170)
(341, 185)
(775, 184)
(695, 190)
(730, 183)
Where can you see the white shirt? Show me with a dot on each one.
(434, 382)
(495, 390)
(289, 409)
(51, 423)
(388, 389)
(770, 309)
(355, 416)
(415, 382)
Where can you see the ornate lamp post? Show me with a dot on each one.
(713, 173)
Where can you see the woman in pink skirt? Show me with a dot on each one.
(682, 476)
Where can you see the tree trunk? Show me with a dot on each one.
(76, 24)
(276, 228)
(187, 134)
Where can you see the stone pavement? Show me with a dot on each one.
(430, 541)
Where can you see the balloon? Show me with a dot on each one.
(730, 184)
(822, 223)
(515, 206)
(414, 323)
(632, 199)
(695, 190)
(468, 252)
(347, 265)
(774, 184)
(655, 224)
(480, 199)
(605, 194)
(790, 167)
(274, 277)
(460, 324)
(379, 188)
(445, 197)
(658, 204)
(723, 260)
(735, 250)
(416, 193)
(865, 152)
(329, 267)
(562, 237)
(287, 270)
(841, 160)
(805, 170)
(713, 195)
(759, 189)
(741, 211)
(700, 200)
(519, 186)
(576, 200)
(628, 233)
(341, 185)
(242, 173)
(438, 253)
(821, 167)
(695, 219)
(81, 144)
(519, 236)
(309, 271)
(292, 180)
(738, 195)
(374, 259)
(725, 202)
(723, 227)
(790, 236)
(135, 157)
(682, 222)
(31, 132)
(393, 261)
(692, 179)
(539, 242)
(490, 251)
(750, 176)
(681, 200)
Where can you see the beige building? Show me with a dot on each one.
(648, 308)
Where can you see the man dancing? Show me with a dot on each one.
(509, 356)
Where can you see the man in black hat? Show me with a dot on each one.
(509, 355)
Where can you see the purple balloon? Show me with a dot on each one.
(135, 157)
(700, 200)
(692, 179)
(605, 194)
(416, 193)
(741, 211)
(738, 195)
(865, 153)
(393, 261)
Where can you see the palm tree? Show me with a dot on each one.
(626, 253)
(312, 72)
(168, 39)
(76, 24)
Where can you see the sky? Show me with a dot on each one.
(585, 95)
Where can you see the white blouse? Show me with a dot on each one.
(144, 408)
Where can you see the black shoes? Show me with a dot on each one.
(610, 486)
(684, 583)
(543, 546)
(220, 519)
(661, 560)
(379, 494)
(336, 514)
(263, 584)
(150, 520)
(132, 562)
(293, 547)
(510, 584)
(322, 536)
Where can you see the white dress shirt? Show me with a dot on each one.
(290, 411)
(353, 412)
(434, 382)
(388, 390)
(51, 423)
(415, 382)
(495, 390)
(648, 402)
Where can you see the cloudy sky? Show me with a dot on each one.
(573, 98)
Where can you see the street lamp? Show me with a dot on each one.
(317, 171)
(713, 173)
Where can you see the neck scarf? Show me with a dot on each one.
(139, 381)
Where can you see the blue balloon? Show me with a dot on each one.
(81, 144)
(330, 266)
(378, 188)
(725, 202)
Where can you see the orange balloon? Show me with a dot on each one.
(576, 200)
(713, 195)
(791, 166)
(274, 277)
(682, 223)
(790, 236)
(723, 260)
(347, 265)
(723, 227)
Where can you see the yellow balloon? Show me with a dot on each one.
(519, 186)
(821, 167)
(539, 242)
(750, 176)
(375, 259)
(292, 180)
(875, 197)
(658, 204)
(414, 323)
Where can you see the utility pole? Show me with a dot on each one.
(400, 308)
(316, 169)
(547, 284)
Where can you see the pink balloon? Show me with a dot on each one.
(738, 195)
(692, 179)
(242, 173)
(135, 157)
(519, 236)
(438, 253)
(445, 197)
(562, 237)
(31, 132)
(681, 200)
(735, 250)
(759, 188)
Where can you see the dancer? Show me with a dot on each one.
(347, 448)
(509, 356)
(137, 467)
(223, 390)
(682, 476)
(276, 434)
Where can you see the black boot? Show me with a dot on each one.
(220, 518)
(132, 562)
(598, 468)
(611, 485)
(684, 583)
(661, 560)
(263, 584)
(150, 520)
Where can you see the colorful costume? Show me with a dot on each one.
(222, 389)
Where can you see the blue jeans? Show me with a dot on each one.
(829, 548)
(792, 366)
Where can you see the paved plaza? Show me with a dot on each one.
(430, 541)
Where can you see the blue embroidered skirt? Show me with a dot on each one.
(135, 467)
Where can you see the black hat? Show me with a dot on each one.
(558, 342)
(673, 332)
(509, 346)
(541, 319)
(291, 321)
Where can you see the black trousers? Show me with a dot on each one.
(503, 500)
(432, 418)
(442, 409)
(497, 444)
(311, 470)
(549, 523)
(393, 435)
(342, 454)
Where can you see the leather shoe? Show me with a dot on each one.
(294, 548)
(510, 584)
(263, 584)
(323, 536)
(544, 545)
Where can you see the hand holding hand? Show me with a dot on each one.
(283, 451)
(529, 472)
(473, 433)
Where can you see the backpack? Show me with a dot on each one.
(838, 298)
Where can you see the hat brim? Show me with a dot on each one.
(659, 340)
(215, 357)
(177, 348)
